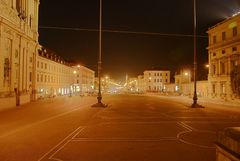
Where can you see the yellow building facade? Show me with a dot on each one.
(83, 79)
(224, 54)
(18, 47)
(155, 80)
(53, 77)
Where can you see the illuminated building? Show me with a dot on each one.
(224, 55)
(54, 76)
(83, 79)
(141, 84)
(155, 80)
(18, 47)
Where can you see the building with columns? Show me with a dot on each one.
(18, 48)
(224, 54)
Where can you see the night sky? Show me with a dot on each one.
(125, 52)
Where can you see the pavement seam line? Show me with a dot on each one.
(42, 121)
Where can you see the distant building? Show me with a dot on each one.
(141, 84)
(155, 80)
(183, 77)
(224, 54)
(83, 79)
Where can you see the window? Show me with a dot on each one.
(166, 74)
(30, 59)
(45, 78)
(214, 39)
(214, 54)
(223, 51)
(166, 80)
(222, 68)
(41, 65)
(37, 77)
(223, 36)
(235, 31)
(160, 74)
(18, 5)
(234, 49)
(30, 76)
(45, 65)
(41, 78)
(38, 64)
(214, 88)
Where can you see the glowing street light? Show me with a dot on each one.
(99, 97)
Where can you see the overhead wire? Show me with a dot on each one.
(120, 31)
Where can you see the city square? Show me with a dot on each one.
(101, 80)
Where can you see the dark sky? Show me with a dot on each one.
(131, 53)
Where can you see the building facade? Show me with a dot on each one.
(83, 79)
(141, 84)
(53, 77)
(155, 80)
(224, 55)
(18, 48)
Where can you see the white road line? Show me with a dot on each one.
(56, 146)
(53, 151)
(61, 146)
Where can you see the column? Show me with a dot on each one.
(1, 59)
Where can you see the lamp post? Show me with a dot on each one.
(99, 97)
(195, 98)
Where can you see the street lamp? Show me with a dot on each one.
(99, 97)
(195, 105)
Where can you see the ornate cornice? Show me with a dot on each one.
(8, 13)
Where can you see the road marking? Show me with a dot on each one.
(53, 151)
(66, 139)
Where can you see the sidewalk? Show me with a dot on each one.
(206, 102)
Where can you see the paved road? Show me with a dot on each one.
(133, 128)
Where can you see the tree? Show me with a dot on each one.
(235, 80)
